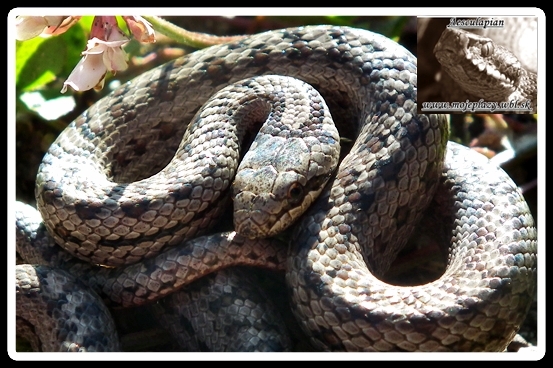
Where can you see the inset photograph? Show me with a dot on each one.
(477, 65)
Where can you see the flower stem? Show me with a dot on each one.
(193, 39)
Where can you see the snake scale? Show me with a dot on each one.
(109, 205)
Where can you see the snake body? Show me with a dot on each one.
(495, 64)
(57, 312)
(350, 234)
(245, 320)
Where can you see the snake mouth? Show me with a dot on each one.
(249, 228)
(262, 215)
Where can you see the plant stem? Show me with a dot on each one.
(192, 39)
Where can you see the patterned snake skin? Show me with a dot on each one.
(57, 312)
(103, 199)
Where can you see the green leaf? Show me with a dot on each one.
(40, 61)
(24, 51)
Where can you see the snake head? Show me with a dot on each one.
(276, 182)
(480, 66)
(267, 202)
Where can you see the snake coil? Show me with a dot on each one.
(107, 205)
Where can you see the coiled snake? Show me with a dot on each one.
(103, 198)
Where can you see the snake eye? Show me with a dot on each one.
(295, 192)
(487, 49)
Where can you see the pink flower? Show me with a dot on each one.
(103, 53)
(27, 27)
(104, 48)
(140, 28)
